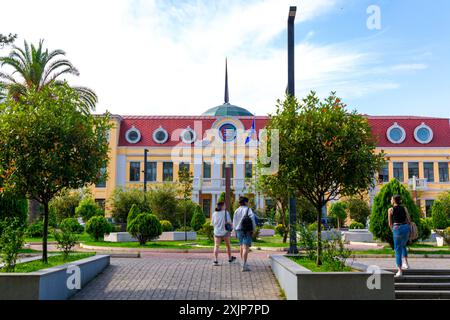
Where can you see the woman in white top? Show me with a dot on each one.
(221, 221)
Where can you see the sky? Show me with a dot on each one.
(167, 57)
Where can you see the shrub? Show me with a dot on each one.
(312, 227)
(88, 209)
(335, 254)
(188, 228)
(133, 213)
(66, 240)
(255, 234)
(11, 241)
(338, 211)
(163, 203)
(123, 199)
(426, 224)
(198, 220)
(268, 226)
(184, 206)
(306, 212)
(166, 226)
(281, 230)
(307, 241)
(356, 225)
(379, 225)
(71, 225)
(144, 227)
(208, 230)
(63, 206)
(358, 210)
(35, 230)
(97, 227)
(440, 211)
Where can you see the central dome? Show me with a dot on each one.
(227, 109)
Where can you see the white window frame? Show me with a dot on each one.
(396, 126)
(160, 129)
(133, 129)
(416, 131)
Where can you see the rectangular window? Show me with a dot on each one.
(101, 183)
(428, 171)
(206, 170)
(383, 175)
(183, 165)
(248, 170)
(206, 204)
(413, 169)
(398, 171)
(223, 170)
(443, 171)
(135, 171)
(167, 171)
(151, 171)
(428, 205)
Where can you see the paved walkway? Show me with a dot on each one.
(173, 276)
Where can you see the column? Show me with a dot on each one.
(213, 201)
(121, 170)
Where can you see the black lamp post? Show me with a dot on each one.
(145, 172)
(291, 91)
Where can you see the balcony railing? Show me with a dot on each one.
(200, 183)
(418, 184)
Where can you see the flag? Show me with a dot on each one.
(252, 131)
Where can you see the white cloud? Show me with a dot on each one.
(167, 57)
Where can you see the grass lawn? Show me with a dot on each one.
(81, 237)
(52, 262)
(311, 265)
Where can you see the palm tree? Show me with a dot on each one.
(37, 69)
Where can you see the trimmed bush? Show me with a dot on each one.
(88, 209)
(280, 230)
(426, 224)
(35, 230)
(440, 211)
(97, 227)
(71, 225)
(208, 230)
(134, 212)
(123, 199)
(166, 226)
(379, 225)
(198, 220)
(356, 225)
(145, 227)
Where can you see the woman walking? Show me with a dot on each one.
(221, 221)
(400, 224)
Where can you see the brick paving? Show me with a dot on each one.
(180, 276)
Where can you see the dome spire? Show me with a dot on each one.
(227, 97)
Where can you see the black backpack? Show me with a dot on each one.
(247, 223)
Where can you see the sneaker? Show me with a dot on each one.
(216, 263)
(231, 259)
(398, 274)
(245, 268)
(405, 265)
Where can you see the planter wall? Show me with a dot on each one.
(266, 232)
(357, 235)
(177, 236)
(119, 237)
(300, 283)
(51, 283)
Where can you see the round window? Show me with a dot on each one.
(423, 134)
(160, 135)
(396, 134)
(133, 135)
(188, 135)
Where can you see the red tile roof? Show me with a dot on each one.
(380, 124)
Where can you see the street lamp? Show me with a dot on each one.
(291, 91)
(145, 173)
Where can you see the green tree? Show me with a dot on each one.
(185, 180)
(198, 219)
(379, 225)
(88, 208)
(163, 202)
(13, 206)
(134, 212)
(440, 211)
(11, 241)
(123, 199)
(145, 227)
(47, 144)
(338, 211)
(7, 39)
(306, 213)
(37, 68)
(64, 204)
(325, 151)
(358, 209)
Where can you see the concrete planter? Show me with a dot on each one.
(357, 235)
(439, 241)
(119, 237)
(300, 283)
(51, 283)
(177, 236)
(266, 232)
